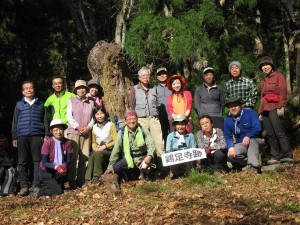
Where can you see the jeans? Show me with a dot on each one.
(277, 138)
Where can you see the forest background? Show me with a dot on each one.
(41, 38)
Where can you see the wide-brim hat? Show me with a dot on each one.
(80, 83)
(233, 99)
(174, 77)
(93, 82)
(266, 60)
(56, 122)
(179, 118)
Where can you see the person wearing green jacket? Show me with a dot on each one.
(56, 104)
(134, 149)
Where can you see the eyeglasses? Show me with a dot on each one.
(57, 130)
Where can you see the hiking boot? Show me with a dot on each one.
(272, 162)
(96, 180)
(287, 160)
(35, 192)
(24, 191)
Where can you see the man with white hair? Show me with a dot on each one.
(143, 100)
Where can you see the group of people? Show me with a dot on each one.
(81, 145)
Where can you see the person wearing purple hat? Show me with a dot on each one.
(271, 109)
(240, 86)
(80, 118)
(209, 98)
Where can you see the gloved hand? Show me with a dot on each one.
(61, 170)
(280, 112)
(207, 150)
(64, 167)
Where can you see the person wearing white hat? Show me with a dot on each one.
(80, 118)
(180, 139)
(56, 155)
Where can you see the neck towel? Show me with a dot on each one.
(139, 142)
(58, 159)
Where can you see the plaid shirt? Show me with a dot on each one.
(244, 88)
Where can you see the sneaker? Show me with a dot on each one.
(287, 160)
(24, 191)
(272, 162)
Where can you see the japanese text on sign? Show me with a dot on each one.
(182, 156)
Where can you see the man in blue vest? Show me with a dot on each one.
(29, 130)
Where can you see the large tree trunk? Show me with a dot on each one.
(122, 20)
(106, 63)
(287, 66)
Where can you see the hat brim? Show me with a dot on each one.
(266, 63)
(174, 122)
(75, 89)
(181, 78)
(59, 124)
(237, 101)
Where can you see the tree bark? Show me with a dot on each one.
(107, 64)
(122, 20)
(287, 66)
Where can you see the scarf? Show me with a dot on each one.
(237, 120)
(181, 142)
(139, 142)
(58, 159)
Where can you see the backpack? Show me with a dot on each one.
(7, 181)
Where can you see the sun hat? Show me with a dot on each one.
(174, 77)
(80, 83)
(56, 122)
(266, 60)
(233, 99)
(179, 118)
(93, 82)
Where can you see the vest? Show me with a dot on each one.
(146, 102)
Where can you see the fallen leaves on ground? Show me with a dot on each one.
(270, 198)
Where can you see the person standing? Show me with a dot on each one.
(162, 95)
(80, 117)
(240, 86)
(56, 104)
(143, 100)
(209, 99)
(29, 130)
(95, 92)
(271, 109)
(180, 101)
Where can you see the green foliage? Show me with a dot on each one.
(150, 188)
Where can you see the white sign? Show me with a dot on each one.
(182, 156)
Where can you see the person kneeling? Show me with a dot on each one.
(180, 139)
(133, 148)
(56, 155)
(241, 128)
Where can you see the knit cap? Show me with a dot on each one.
(237, 63)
